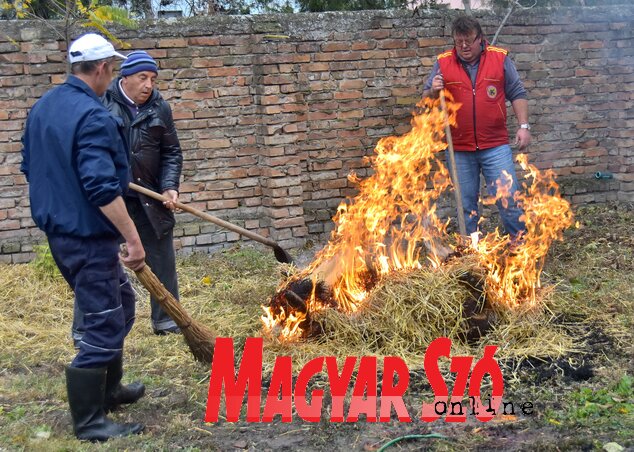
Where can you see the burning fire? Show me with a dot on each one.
(382, 229)
(513, 270)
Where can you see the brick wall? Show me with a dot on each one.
(274, 111)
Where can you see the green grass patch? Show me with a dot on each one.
(605, 410)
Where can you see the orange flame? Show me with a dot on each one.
(381, 230)
(513, 275)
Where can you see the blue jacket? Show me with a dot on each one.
(75, 160)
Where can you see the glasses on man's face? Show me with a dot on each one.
(465, 42)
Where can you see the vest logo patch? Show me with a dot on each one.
(492, 91)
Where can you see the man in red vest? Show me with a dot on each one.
(482, 77)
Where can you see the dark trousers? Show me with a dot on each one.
(102, 292)
(160, 256)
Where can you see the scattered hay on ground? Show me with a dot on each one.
(35, 317)
(223, 291)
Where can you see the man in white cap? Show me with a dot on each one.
(76, 162)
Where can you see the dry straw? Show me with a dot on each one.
(407, 311)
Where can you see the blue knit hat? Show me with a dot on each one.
(138, 61)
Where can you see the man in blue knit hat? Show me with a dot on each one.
(156, 161)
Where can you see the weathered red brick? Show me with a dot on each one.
(348, 95)
(392, 44)
(288, 222)
(204, 41)
(591, 44)
(172, 42)
(222, 204)
(352, 84)
(335, 46)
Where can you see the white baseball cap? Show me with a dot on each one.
(91, 47)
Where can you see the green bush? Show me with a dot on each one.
(43, 265)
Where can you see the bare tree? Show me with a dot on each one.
(144, 7)
(467, 7)
(512, 5)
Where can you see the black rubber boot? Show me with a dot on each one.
(86, 391)
(116, 393)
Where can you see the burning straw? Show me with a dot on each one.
(403, 314)
(391, 278)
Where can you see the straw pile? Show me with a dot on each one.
(407, 311)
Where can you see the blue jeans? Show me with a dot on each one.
(490, 162)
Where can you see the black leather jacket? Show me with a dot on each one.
(155, 153)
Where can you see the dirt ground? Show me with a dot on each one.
(584, 401)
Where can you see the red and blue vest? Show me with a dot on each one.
(482, 116)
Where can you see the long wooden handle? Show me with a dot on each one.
(205, 216)
(452, 167)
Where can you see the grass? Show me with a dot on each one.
(609, 409)
(591, 275)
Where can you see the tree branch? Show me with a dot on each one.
(513, 4)
(467, 7)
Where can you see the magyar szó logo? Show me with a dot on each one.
(366, 399)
